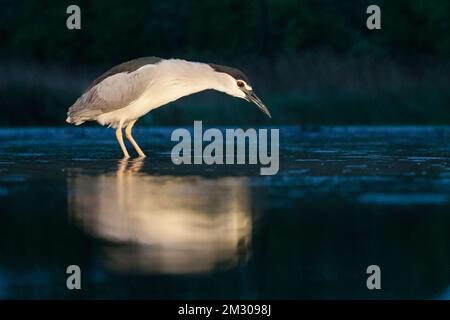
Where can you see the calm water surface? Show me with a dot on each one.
(344, 198)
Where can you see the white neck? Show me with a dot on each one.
(191, 77)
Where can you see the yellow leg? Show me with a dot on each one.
(130, 138)
(122, 145)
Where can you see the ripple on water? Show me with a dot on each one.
(404, 198)
(423, 159)
(13, 178)
(357, 166)
(31, 154)
(84, 159)
(308, 160)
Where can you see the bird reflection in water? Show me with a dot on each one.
(163, 224)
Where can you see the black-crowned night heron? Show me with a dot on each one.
(126, 92)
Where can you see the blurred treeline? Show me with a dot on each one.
(312, 61)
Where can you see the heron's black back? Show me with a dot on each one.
(127, 67)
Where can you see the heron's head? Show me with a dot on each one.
(235, 83)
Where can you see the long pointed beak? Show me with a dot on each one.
(252, 97)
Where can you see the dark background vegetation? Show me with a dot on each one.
(311, 61)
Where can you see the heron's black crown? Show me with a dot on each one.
(235, 73)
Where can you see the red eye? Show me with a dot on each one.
(240, 84)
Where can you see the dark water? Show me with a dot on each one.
(344, 198)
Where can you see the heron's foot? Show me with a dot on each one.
(142, 155)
